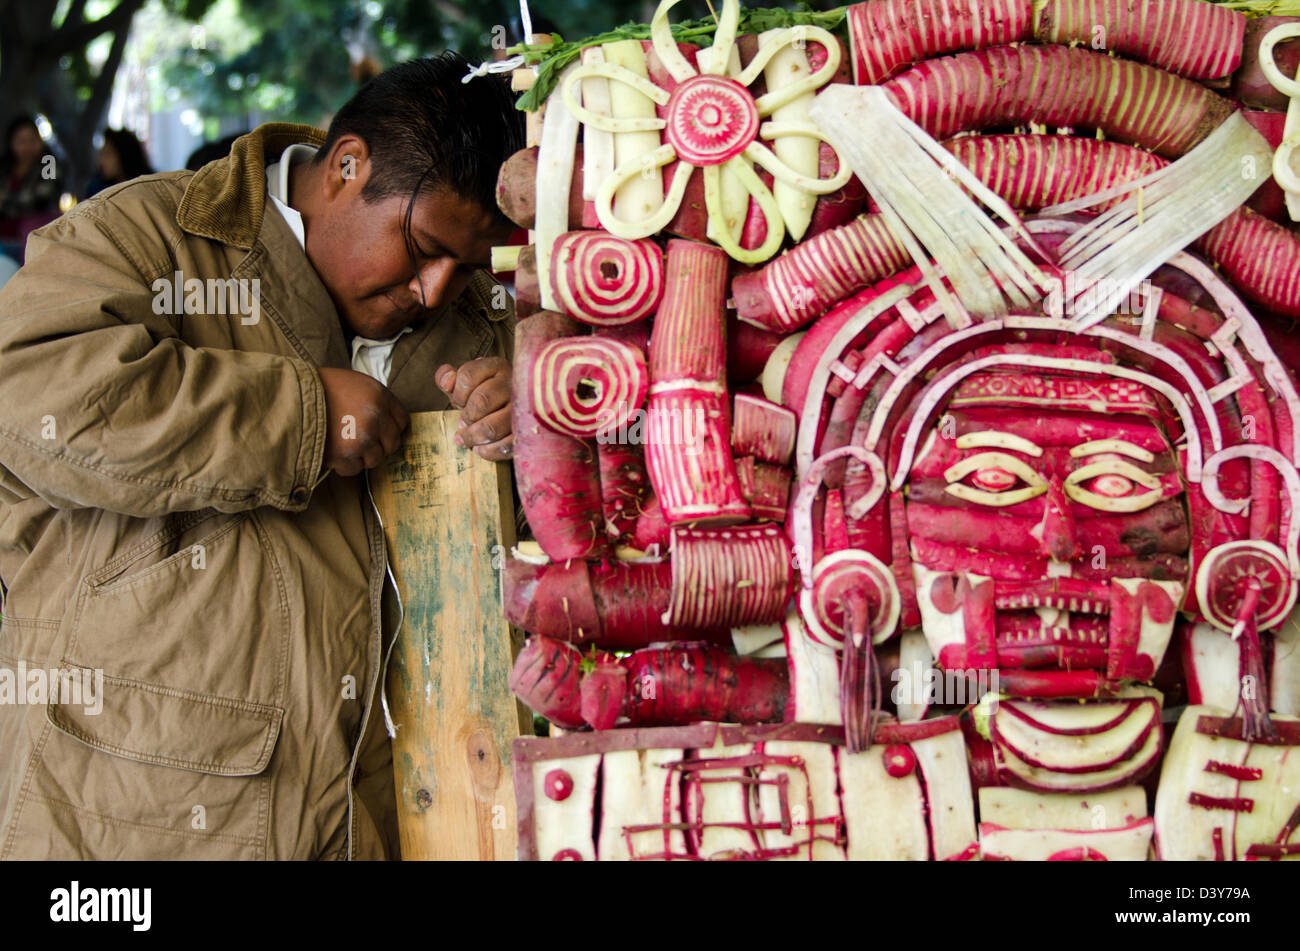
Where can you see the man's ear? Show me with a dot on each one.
(347, 167)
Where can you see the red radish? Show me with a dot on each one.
(556, 474)
(844, 412)
(1249, 84)
(837, 533)
(624, 482)
(1030, 172)
(681, 685)
(1260, 258)
(1160, 528)
(603, 693)
(887, 35)
(617, 605)
(729, 577)
(652, 528)
(517, 190)
(805, 281)
(797, 376)
(688, 452)
(766, 487)
(1034, 171)
(528, 293)
(587, 386)
(558, 784)
(748, 348)
(547, 676)
(1052, 684)
(605, 280)
(1189, 37)
(1192, 38)
(1058, 86)
(839, 207)
(660, 687)
(762, 429)
(624, 487)
(899, 761)
(755, 231)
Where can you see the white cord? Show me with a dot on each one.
(401, 616)
(505, 65)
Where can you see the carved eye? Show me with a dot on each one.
(990, 478)
(1111, 486)
(993, 479)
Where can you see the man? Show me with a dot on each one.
(194, 370)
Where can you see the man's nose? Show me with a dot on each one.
(1056, 538)
(430, 283)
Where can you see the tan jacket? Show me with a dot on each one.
(157, 523)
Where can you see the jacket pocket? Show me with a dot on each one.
(197, 609)
(134, 771)
(173, 728)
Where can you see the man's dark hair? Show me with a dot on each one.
(427, 130)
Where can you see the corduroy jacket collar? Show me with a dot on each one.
(226, 199)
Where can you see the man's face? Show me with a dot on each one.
(358, 248)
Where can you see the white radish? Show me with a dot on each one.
(642, 195)
(800, 152)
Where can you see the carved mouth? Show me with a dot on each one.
(1121, 626)
(1064, 594)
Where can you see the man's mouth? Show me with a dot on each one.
(408, 311)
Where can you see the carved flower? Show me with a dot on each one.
(714, 123)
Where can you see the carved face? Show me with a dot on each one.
(1044, 512)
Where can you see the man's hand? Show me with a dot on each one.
(365, 421)
(481, 391)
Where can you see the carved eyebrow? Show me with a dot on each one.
(999, 440)
(1017, 467)
(1112, 445)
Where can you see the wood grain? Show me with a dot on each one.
(448, 526)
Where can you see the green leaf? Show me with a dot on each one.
(1263, 8)
(552, 60)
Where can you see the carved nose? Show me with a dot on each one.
(1056, 530)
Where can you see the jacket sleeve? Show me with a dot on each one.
(103, 405)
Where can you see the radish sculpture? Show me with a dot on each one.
(898, 490)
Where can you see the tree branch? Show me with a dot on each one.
(74, 36)
(103, 87)
(76, 13)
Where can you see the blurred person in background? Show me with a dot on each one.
(121, 158)
(29, 184)
(211, 151)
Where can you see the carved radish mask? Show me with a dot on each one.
(1048, 527)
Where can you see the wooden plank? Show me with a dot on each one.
(448, 524)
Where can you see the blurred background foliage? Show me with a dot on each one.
(211, 67)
